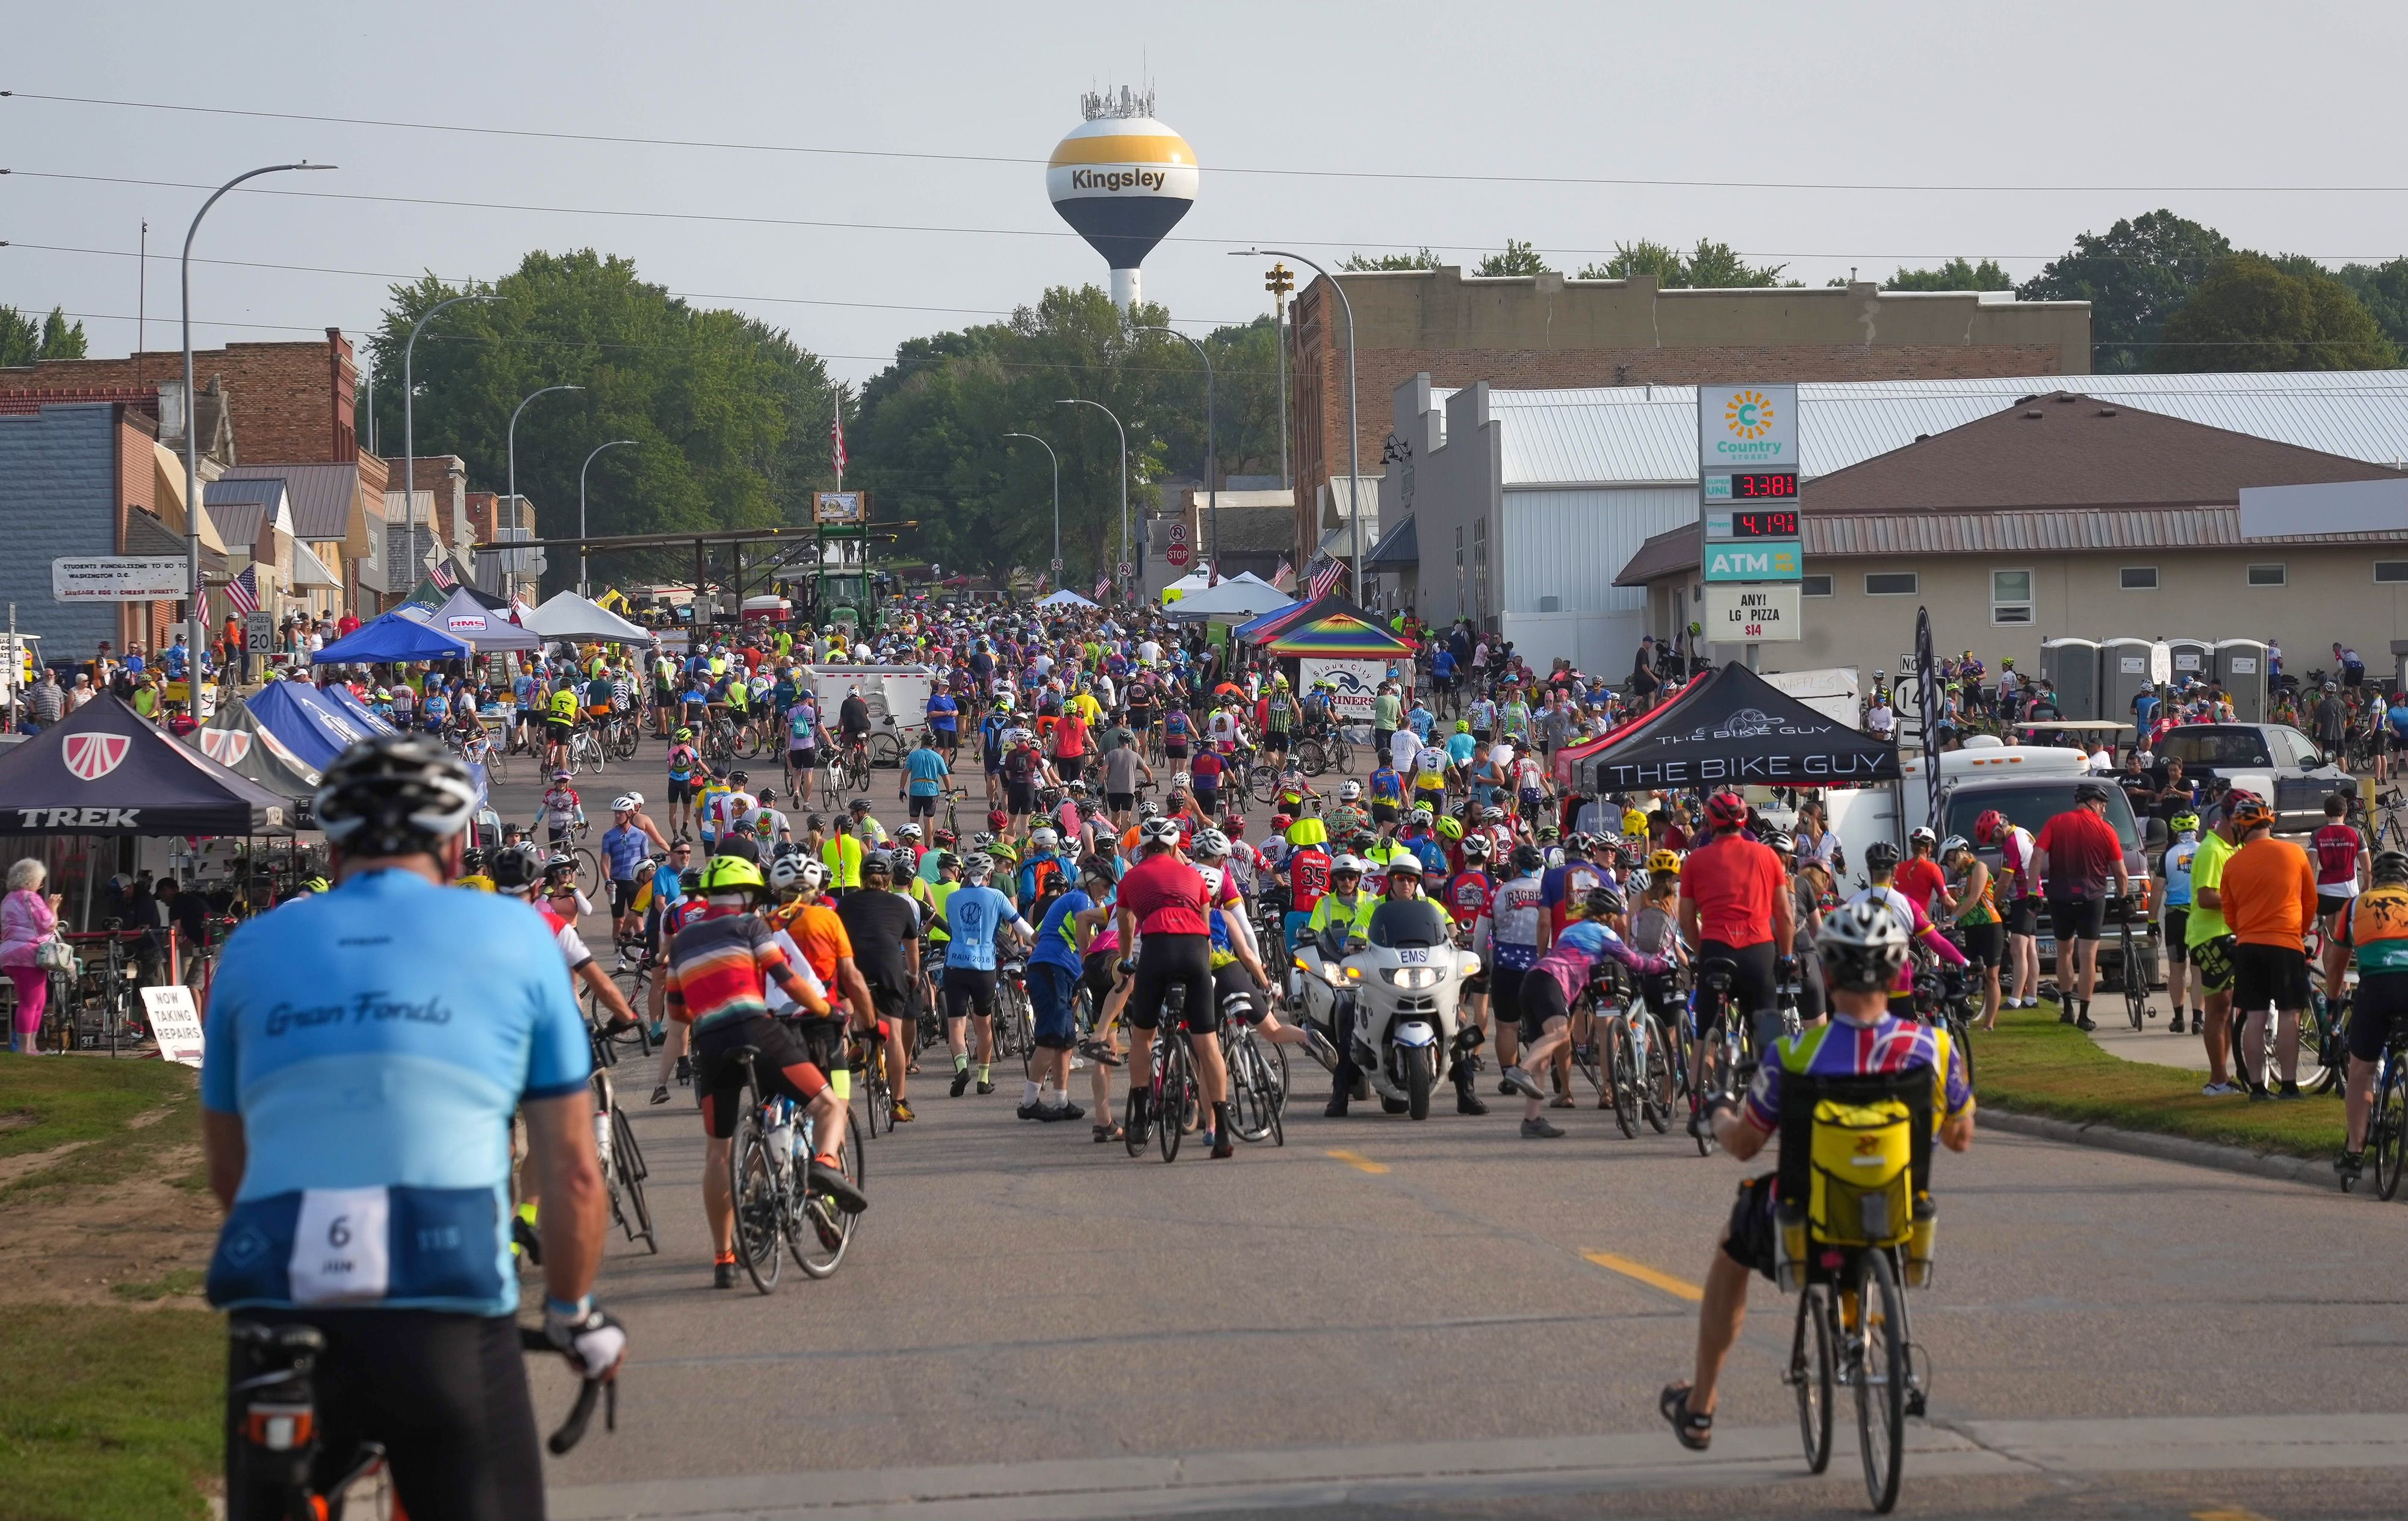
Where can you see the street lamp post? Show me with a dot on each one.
(1354, 430)
(194, 613)
(1211, 449)
(409, 419)
(514, 457)
(582, 587)
(1081, 401)
(1057, 493)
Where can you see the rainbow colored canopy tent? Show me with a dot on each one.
(1330, 627)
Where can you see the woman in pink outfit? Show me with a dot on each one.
(27, 918)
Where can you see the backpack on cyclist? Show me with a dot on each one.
(1855, 1161)
(1020, 765)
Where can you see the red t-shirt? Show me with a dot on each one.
(1733, 881)
(1166, 894)
(1920, 881)
(2083, 853)
(1307, 879)
(1468, 895)
(1070, 737)
(2336, 848)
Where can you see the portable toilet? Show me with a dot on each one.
(2194, 660)
(2124, 674)
(2072, 666)
(2240, 668)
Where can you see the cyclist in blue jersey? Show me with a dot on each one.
(975, 916)
(924, 772)
(356, 1105)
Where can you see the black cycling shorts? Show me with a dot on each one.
(785, 1065)
(444, 1394)
(2328, 905)
(923, 807)
(969, 990)
(2268, 975)
(1120, 802)
(680, 792)
(2213, 959)
(2381, 1003)
(1098, 972)
(1068, 767)
(558, 730)
(1756, 986)
(1505, 995)
(1984, 942)
(622, 897)
(1542, 998)
(2177, 925)
(1749, 1239)
(1019, 796)
(1167, 961)
(1239, 997)
(2023, 916)
(2076, 918)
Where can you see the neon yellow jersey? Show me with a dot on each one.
(842, 855)
(564, 704)
(938, 892)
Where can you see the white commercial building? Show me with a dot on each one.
(1526, 505)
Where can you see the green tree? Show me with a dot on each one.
(1956, 275)
(1364, 263)
(22, 341)
(2251, 313)
(2133, 275)
(1519, 258)
(730, 417)
(2382, 290)
(1711, 266)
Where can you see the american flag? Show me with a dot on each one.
(242, 593)
(836, 440)
(1103, 584)
(1284, 577)
(441, 575)
(1326, 579)
(1040, 584)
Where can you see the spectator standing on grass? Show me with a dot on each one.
(28, 917)
(2268, 892)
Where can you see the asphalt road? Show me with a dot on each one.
(1386, 1318)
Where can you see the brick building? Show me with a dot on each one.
(293, 403)
(1545, 331)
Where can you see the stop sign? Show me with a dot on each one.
(1177, 554)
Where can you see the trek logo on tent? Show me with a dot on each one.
(227, 747)
(92, 757)
(80, 818)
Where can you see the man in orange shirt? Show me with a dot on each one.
(819, 934)
(2270, 899)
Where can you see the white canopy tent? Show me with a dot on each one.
(1064, 599)
(566, 615)
(1241, 597)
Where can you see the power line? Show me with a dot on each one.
(1625, 181)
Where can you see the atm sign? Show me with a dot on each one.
(1759, 560)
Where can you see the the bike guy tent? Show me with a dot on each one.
(1733, 729)
(104, 771)
(237, 740)
(391, 638)
(314, 724)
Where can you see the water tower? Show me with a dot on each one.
(1122, 180)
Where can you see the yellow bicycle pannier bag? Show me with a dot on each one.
(1862, 1154)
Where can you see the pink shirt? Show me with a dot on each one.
(25, 921)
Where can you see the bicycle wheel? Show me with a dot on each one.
(1960, 1034)
(830, 1229)
(589, 871)
(2384, 1126)
(1881, 1379)
(1132, 1126)
(1250, 1104)
(885, 751)
(1312, 757)
(1262, 783)
(628, 1163)
(1345, 753)
(1177, 1097)
(1810, 1374)
(1662, 1085)
(752, 1184)
(1625, 1059)
(497, 764)
(2134, 976)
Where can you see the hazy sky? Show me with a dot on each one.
(2146, 97)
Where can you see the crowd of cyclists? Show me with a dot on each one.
(1102, 837)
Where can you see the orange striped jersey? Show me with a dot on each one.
(2380, 930)
(720, 968)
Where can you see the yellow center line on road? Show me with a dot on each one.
(2225, 1515)
(1359, 1162)
(1679, 1288)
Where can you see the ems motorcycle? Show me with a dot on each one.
(1402, 1004)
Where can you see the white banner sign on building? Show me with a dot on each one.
(1760, 614)
(151, 578)
(1358, 682)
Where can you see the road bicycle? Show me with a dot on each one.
(1637, 1058)
(769, 1180)
(1714, 1061)
(624, 733)
(1015, 1018)
(589, 865)
(479, 749)
(1259, 1077)
(624, 1170)
(2136, 968)
(851, 770)
(866, 1058)
(273, 1424)
(2387, 1116)
(585, 751)
(1169, 1094)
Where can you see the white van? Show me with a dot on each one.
(1864, 814)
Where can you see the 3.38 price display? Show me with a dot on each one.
(1771, 485)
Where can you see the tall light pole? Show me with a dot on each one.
(581, 509)
(194, 613)
(1354, 430)
(1212, 448)
(1081, 401)
(1057, 494)
(514, 459)
(410, 418)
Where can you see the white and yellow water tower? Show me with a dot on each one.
(1122, 180)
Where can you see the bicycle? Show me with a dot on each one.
(1258, 1078)
(2386, 1115)
(1015, 1018)
(769, 1181)
(480, 750)
(585, 750)
(851, 773)
(1171, 1092)
(276, 1429)
(1713, 1069)
(624, 1170)
(2136, 971)
(868, 1060)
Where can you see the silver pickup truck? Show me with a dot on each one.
(2273, 760)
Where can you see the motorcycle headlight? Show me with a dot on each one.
(1414, 977)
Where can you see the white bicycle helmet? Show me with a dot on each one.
(1349, 791)
(796, 871)
(1862, 945)
(1212, 844)
(1158, 831)
(910, 831)
(626, 802)
(1475, 847)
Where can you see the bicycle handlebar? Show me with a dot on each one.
(581, 1415)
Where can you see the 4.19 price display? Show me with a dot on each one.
(1771, 522)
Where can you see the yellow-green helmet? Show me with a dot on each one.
(732, 874)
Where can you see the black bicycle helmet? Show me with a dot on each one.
(2390, 867)
(393, 794)
(515, 868)
(1862, 945)
(1881, 855)
(1528, 858)
(1602, 902)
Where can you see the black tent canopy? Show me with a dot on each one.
(106, 770)
(1736, 730)
(237, 740)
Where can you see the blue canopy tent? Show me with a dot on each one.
(341, 696)
(312, 724)
(392, 637)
